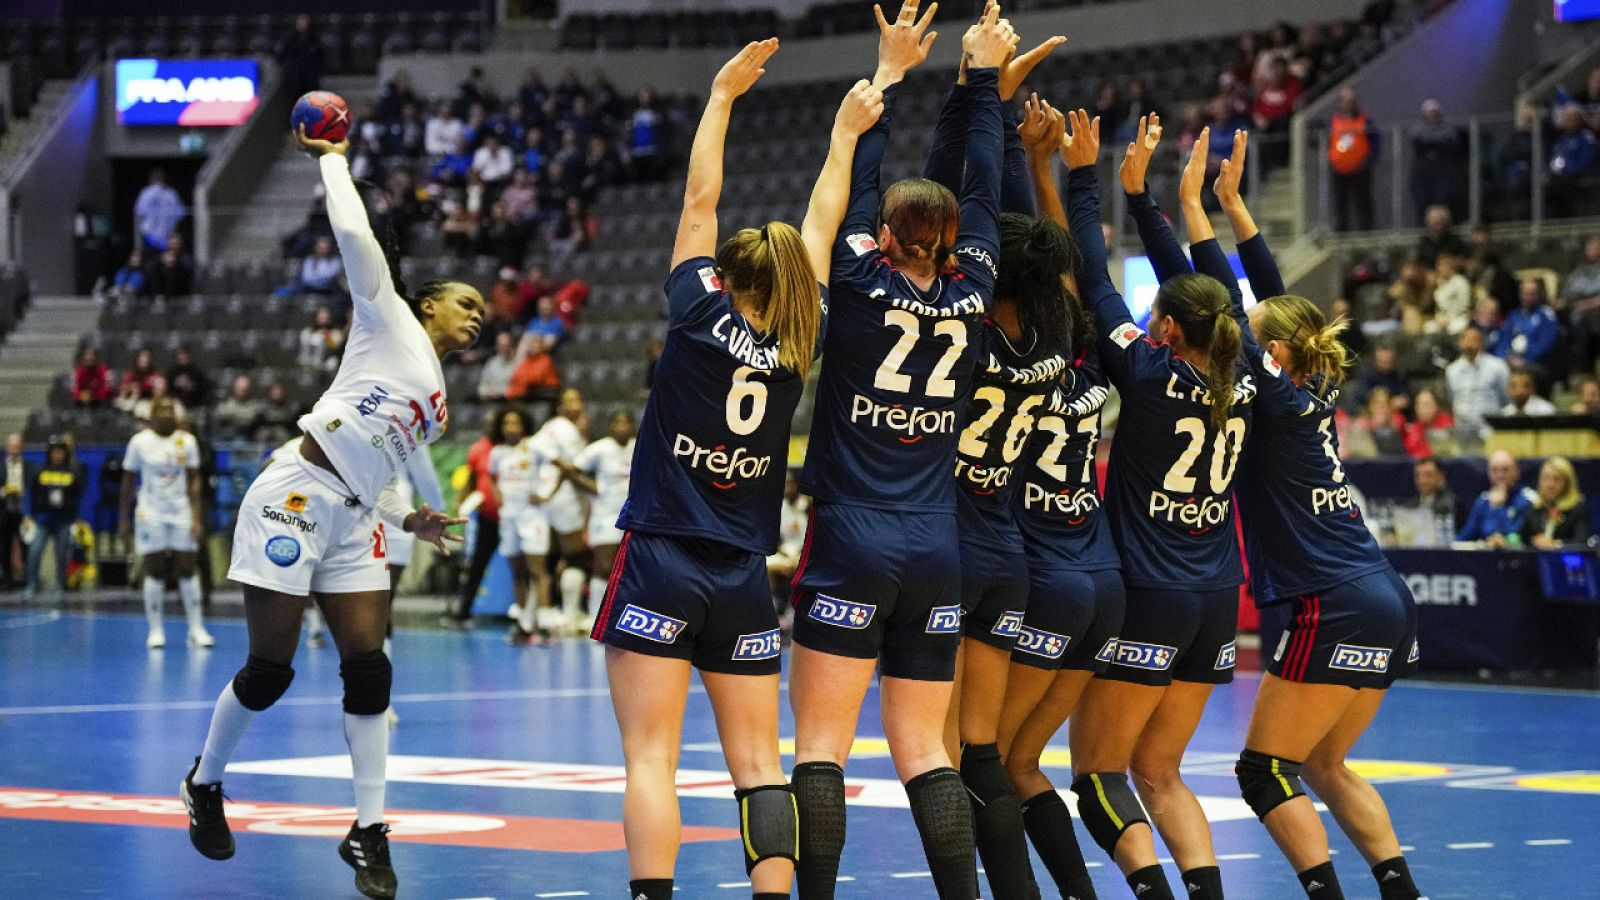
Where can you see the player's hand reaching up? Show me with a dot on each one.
(429, 525)
(1043, 128)
(1137, 160)
(739, 74)
(904, 44)
(1194, 173)
(317, 147)
(860, 110)
(1081, 145)
(1227, 184)
(1017, 68)
(988, 44)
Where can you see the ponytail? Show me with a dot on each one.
(1224, 355)
(1315, 350)
(1203, 308)
(923, 216)
(771, 262)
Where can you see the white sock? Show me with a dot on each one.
(387, 648)
(368, 737)
(189, 590)
(313, 620)
(530, 610)
(228, 723)
(597, 593)
(154, 594)
(571, 592)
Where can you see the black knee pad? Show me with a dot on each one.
(367, 677)
(1267, 781)
(984, 774)
(261, 682)
(1107, 806)
(769, 822)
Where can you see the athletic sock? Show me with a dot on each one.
(650, 889)
(189, 590)
(388, 648)
(769, 895)
(1203, 883)
(530, 613)
(313, 620)
(1322, 882)
(571, 582)
(1394, 880)
(597, 594)
(1150, 884)
(819, 797)
(944, 820)
(1049, 826)
(154, 592)
(368, 737)
(997, 823)
(229, 719)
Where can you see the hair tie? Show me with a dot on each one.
(764, 235)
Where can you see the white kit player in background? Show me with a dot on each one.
(602, 470)
(164, 461)
(561, 439)
(525, 479)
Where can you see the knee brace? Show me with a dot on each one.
(985, 775)
(261, 682)
(1267, 781)
(769, 822)
(1107, 806)
(367, 677)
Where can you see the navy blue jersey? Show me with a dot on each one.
(1011, 390)
(1169, 488)
(899, 361)
(1057, 503)
(714, 437)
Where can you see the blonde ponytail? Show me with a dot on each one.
(1315, 350)
(771, 262)
(1224, 356)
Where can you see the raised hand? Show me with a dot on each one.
(1227, 184)
(1137, 160)
(990, 42)
(429, 525)
(1080, 147)
(739, 74)
(904, 44)
(860, 109)
(1194, 173)
(1017, 68)
(317, 147)
(1042, 128)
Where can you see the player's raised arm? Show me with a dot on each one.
(1042, 131)
(1080, 150)
(1155, 232)
(1259, 265)
(859, 111)
(365, 266)
(904, 44)
(987, 48)
(697, 225)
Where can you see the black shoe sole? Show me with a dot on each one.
(188, 804)
(366, 890)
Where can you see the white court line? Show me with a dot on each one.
(730, 885)
(1222, 857)
(560, 894)
(1407, 848)
(843, 878)
(449, 697)
(1548, 842)
(26, 620)
(911, 875)
(1474, 845)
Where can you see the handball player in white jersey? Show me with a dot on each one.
(602, 470)
(559, 440)
(313, 526)
(164, 461)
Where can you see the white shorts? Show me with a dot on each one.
(565, 514)
(296, 535)
(523, 532)
(401, 545)
(603, 531)
(157, 536)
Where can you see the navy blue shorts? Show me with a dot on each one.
(1175, 635)
(994, 592)
(1361, 634)
(878, 584)
(692, 599)
(1072, 621)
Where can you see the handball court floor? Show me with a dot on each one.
(505, 779)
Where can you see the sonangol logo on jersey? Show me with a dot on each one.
(283, 551)
(1155, 657)
(710, 280)
(1009, 626)
(1124, 335)
(1226, 657)
(1270, 364)
(843, 613)
(1353, 658)
(1042, 643)
(765, 645)
(944, 619)
(862, 244)
(652, 626)
(296, 503)
(1108, 652)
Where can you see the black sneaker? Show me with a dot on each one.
(208, 826)
(367, 851)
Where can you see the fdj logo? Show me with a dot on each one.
(844, 613)
(1226, 656)
(1352, 658)
(765, 645)
(649, 625)
(1010, 625)
(944, 620)
(1042, 643)
(374, 399)
(1155, 657)
(1108, 652)
(283, 551)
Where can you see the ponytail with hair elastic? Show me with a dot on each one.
(1224, 355)
(1203, 308)
(771, 263)
(1315, 350)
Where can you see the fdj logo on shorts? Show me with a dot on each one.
(1010, 625)
(1226, 656)
(843, 613)
(1155, 657)
(1108, 652)
(651, 626)
(1352, 658)
(764, 645)
(283, 551)
(1042, 643)
(944, 619)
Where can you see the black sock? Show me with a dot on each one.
(770, 895)
(650, 889)
(1149, 884)
(1049, 826)
(997, 823)
(944, 820)
(1203, 883)
(819, 797)
(1394, 880)
(1321, 882)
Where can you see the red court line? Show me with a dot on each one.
(456, 829)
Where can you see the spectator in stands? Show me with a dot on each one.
(1528, 338)
(1440, 237)
(1580, 293)
(493, 162)
(1489, 274)
(1588, 402)
(646, 141)
(1573, 158)
(130, 280)
(600, 167)
(502, 237)
(365, 164)
(187, 382)
(451, 169)
(275, 420)
(1352, 151)
(475, 91)
(521, 198)
(508, 304)
(158, 211)
(459, 228)
(442, 132)
(1439, 157)
(1274, 105)
(13, 485)
(1428, 414)
(1498, 512)
(141, 408)
(1412, 295)
(1478, 381)
(173, 273)
(1588, 99)
(51, 502)
(1433, 492)
(545, 331)
(236, 415)
(140, 379)
(1452, 297)
(300, 55)
(299, 242)
(91, 379)
(396, 94)
(1378, 412)
(1525, 401)
(320, 272)
(1385, 373)
(574, 231)
(1561, 515)
(533, 155)
(495, 377)
(322, 342)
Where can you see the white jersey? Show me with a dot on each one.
(387, 401)
(610, 464)
(163, 465)
(560, 438)
(516, 471)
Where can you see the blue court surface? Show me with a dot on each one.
(505, 779)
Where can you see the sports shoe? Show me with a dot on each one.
(514, 613)
(391, 716)
(156, 640)
(367, 851)
(208, 826)
(516, 637)
(200, 637)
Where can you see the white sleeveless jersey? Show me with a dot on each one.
(516, 472)
(163, 465)
(610, 464)
(559, 438)
(387, 402)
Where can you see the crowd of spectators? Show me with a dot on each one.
(530, 317)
